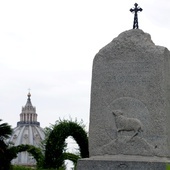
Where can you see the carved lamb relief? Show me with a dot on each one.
(127, 124)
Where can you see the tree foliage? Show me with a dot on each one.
(54, 155)
(5, 130)
(72, 157)
(8, 153)
(5, 153)
(34, 151)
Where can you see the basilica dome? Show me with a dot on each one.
(28, 131)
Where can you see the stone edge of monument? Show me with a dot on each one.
(132, 35)
(122, 162)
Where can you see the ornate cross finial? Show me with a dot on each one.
(29, 94)
(29, 90)
(136, 10)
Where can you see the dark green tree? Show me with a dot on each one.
(54, 154)
(5, 131)
(55, 146)
(5, 153)
(34, 151)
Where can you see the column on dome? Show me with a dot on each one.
(24, 117)
(35, 117)
(29, 117)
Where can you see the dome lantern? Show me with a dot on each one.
(28, 115)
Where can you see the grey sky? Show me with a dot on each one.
(49, 46)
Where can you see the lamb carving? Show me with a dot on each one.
(127, 124)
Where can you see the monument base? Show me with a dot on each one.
(123, 162)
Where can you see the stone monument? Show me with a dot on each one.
(130, 106)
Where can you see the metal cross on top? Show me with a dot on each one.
(136, 10)
(29, 90)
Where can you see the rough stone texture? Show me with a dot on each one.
(130, 106)
(122, 163)
(131, 74)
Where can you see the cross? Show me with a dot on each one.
(29, 90)
(29, 95)
(136, 10)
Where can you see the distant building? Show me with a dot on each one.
(28, 131)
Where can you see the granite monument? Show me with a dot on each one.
(130, 105)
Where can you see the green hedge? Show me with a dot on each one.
(55, 146)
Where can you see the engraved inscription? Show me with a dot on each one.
(137, 66)
(133, 72)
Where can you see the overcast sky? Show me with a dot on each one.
(49, 46)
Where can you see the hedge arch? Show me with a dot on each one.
(72, 157)
(34, 151)
(54, 152)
